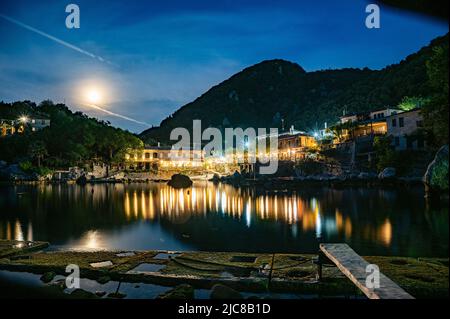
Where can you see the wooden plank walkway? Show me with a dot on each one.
(354, 267)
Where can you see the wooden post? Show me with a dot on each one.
(319, 260)
(271, 269)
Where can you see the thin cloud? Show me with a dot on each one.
(94, 106)
(55, 39)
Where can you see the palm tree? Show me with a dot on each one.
(37, 151)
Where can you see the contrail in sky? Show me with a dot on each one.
(115, 114)
(80, 50)
(55, 39)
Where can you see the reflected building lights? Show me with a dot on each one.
(92, 240)
(30, 231)
(246, 206)
(18, 231)
(385, 232)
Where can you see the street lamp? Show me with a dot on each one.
(23, 119)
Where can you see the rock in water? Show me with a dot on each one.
(82, 180)
(82, 294)
(436, 176)
(388, 172)
(180, 181)
(180, 292)
(223, 292)
(216, 178)
(48, 276)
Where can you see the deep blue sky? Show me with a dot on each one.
(164, 54)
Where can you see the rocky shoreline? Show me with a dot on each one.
(224, 274)
(435, 179)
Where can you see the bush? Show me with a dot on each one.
(26, 166)
(385, 154)
(309, 167)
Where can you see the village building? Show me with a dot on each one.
(33, 123)
(159, 157)
(38, 122)
(295, 145)
(406, 130)
(7, 127)
(363, 125)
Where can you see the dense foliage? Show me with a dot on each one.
(279, 93)
(71, 139)
(436, 111)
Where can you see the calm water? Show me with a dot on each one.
(223, 218)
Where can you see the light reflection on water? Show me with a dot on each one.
(220, 217)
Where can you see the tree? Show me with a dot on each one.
(409, 103)
(436, 111)
(37, 151)
(386, 156)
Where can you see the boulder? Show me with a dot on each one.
(179, 292)
(116, 295)
(82, 294)
(216, 178)
(367, 176)
(82, 180)
(236, 175)
(436, 176)
(103, 279)
(48, 276)
(13, 173)
(180, 181)
(220, 291)
(387, 173)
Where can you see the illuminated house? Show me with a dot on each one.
(33, 123)
(405, 130)
(38, 122)
(7, 127)
(157, 157)
(354, 126)
(295, 145)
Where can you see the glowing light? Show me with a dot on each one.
(23, 119)
(94, 96)
(91, 240)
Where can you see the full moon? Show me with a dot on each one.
(93, 96)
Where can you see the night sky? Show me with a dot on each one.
(159, 55)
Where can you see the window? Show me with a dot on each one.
(147, 155)
(401, 122)
(419, 123)
(420, 142)
(394, 122)
(155, 155)
(409, 143)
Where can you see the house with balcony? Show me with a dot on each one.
(294, 145)
(406, 130)
(38, 122)
(363, 125)
(157, 157)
